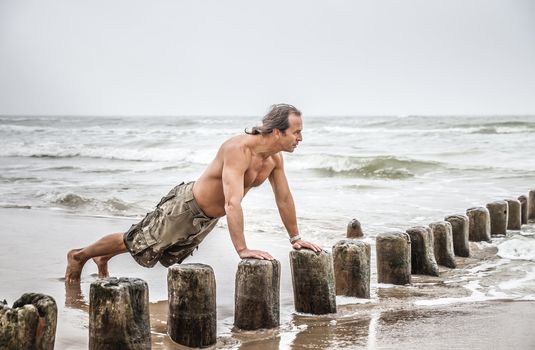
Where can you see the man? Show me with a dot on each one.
(190, 211)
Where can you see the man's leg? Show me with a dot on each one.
(102, 264)
(107, 246)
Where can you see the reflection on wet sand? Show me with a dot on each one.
(74, 298)
(388, 320)
(256, 340)
(392, 318)
(330, 333)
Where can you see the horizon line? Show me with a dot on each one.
(516, 115)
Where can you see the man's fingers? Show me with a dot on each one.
(317, 248)
(304, 244)
(260, 255)
(267, 256)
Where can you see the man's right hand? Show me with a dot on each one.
(255, 254)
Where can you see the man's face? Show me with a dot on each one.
(293, 135)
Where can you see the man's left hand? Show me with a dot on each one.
(300, 244)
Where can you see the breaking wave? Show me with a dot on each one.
(78, 202)
(518, 248)
(382, 167)
(56, 151)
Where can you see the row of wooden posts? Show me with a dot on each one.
(316, 278)
(119, 307)
(421, 249)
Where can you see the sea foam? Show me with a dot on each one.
(518, 248)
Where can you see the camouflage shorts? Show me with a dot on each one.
(172, 231)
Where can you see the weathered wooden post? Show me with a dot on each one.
(423, 260)
(498, 213)
(313, 282)
(256, 299)
(119, 314)
(354, 229)
(531, 205)
(393, 251)
(514, 216)
(524, 209)
(479, 227)
(443, 243)
(192, 317)
(30, 324)
(352, 268)
(459, 231)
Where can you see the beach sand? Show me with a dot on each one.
(433, 313)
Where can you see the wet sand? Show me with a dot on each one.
(35, 243)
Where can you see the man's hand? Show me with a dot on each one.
(255, 254)
(300, 244)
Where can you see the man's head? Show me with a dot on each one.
(283, 123)
(278, 118)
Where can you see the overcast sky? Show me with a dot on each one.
(220, 57)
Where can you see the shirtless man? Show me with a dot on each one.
(190, 211)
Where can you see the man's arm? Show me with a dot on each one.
(285, 204)
(235, 163)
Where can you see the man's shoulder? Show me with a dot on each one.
(235, 142)
(236, 145)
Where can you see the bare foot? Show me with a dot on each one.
(74, 267)
(102, 264)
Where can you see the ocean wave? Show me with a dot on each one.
(490, 130)
(17, 179)
(421, 124)
(486, 130)
(79, 202)
(164, 131)
(458, 122)
(71, 200)
(388, 167)
(60, 151)
(500, 124)
(417, 130)
(180, 157)
(45, 155)
(15, 206)
(518, 248)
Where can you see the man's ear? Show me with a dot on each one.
(276, 133)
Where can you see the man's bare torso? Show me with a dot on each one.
(208, 189)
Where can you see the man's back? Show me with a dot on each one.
(239, 151)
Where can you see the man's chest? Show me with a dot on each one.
(258, 172)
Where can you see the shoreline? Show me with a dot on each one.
(37, 240)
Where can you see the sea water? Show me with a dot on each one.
(391, 173)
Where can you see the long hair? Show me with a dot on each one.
(277, 118)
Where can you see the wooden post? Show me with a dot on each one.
(119, 314)
(524, 209)
(313, 282)
(479, 227)
(531, 205)
(192, 317)
(459, 231)
(30, 324)
(498, 213)
(354, 230)
(393, 251)
(352, 268)
(257, 295)
(422, 251)
(514, 218)
(443, 243)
